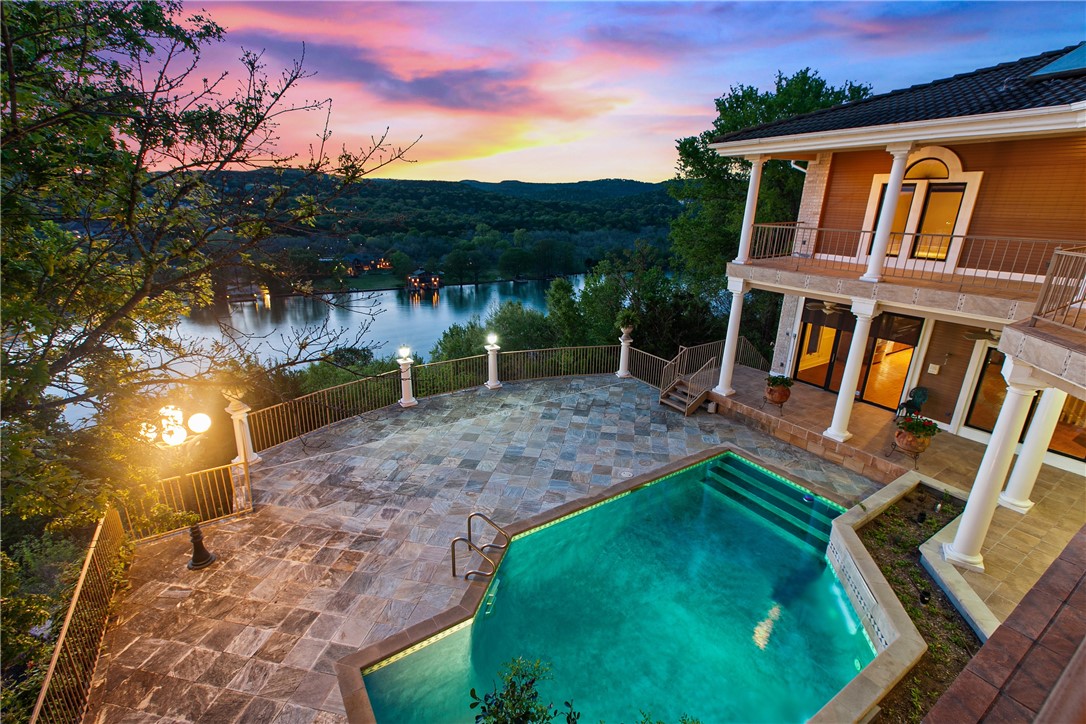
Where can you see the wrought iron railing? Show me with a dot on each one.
(979, 261)
(437, 378)
(63, 697)
(747, 354)
(1062, 299)
(171, 504)
(688, 361)
(646, 367)
(294, 418)
(537, 364)
(700, 382)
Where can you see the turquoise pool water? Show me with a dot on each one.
(705, 593)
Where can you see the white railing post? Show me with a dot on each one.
(750, 209)
(405, 361)
(492, 348)
(624, 354)
(885, 222)
(243, 439)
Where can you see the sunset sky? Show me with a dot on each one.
(549, 91)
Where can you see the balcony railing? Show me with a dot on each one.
(973, 261)
(172, 504)
(63, 696)
(1062, 299)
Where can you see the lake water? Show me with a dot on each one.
(399, 318)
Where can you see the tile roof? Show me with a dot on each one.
(1001, 88)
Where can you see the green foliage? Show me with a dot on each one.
(117, 215)
(402, 265)
(564, 314)
(519, 327)
(918, 426)
(460, 340)
(713, 188)
(35, 580)
(518, 701)
(779, 381)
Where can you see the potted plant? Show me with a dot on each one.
(914, 433)
(626, 320)
(778, 388)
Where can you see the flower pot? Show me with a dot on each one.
(778, 394)
(911, 443)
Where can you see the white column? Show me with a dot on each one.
(885, 222)
(1038, 438)
(239, 413)
(865, 310)
(750, 209)
(408, 398)
(624, 354)
(492, 348)
(984, 496)
(738, 288)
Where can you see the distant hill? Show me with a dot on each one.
(576, 192)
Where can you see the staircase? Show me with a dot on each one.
(681, 397)
(687, 379)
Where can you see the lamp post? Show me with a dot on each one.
(405, 361)
(171, 432)
(492, 348)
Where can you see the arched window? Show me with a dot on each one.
(934, 207)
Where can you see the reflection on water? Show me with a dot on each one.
(394, 317)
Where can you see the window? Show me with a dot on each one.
(933, 210)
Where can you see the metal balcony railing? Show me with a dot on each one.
(963, 261)
(1062, 299)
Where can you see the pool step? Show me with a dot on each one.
(808, 521)
(805, 505)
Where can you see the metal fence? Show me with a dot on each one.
(540, 363)
(171, 504)
(646, 367)
(438, 378)
(748, 355)
(63, 697)
(688, 361)
(980, 261)
(1063, 296)
(288, 420)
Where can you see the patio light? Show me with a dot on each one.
(404, 352)
(492, 338)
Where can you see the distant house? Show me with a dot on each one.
(422, 280)
(360, 263)
(930, 220)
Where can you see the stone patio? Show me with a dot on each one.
(349, 542)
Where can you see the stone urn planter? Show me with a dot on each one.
(778, 389)
(777, 395)
(910, 443)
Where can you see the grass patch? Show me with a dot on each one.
(893, 539)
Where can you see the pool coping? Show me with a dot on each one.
(349, 669)
(890, 625)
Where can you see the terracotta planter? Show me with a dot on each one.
(911, 443)
(778, 395)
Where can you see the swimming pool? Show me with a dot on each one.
(706, 593)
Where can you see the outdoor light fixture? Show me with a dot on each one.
(404, 352)
(492, 338)
(171, 430)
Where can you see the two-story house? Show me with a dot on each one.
(930, 220)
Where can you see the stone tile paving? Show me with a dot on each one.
(349, 542)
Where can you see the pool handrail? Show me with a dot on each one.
(477, 549)
(492, 524)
